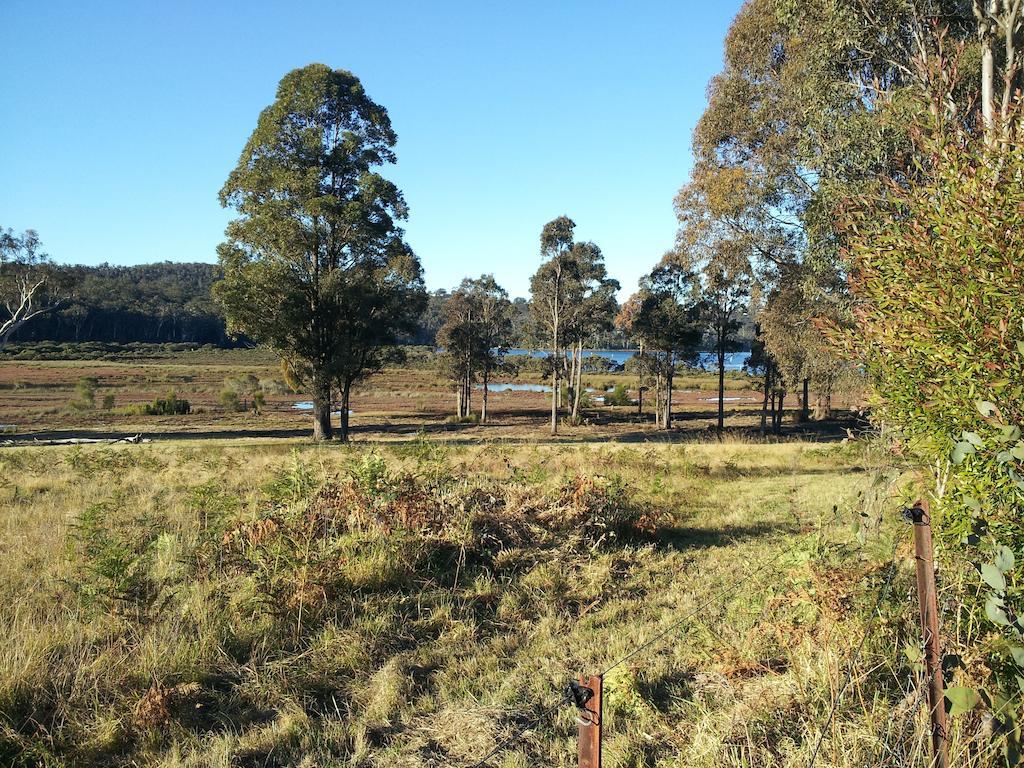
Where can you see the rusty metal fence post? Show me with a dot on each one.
(927, 598)
(586, 695)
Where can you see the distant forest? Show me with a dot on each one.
(170, 302)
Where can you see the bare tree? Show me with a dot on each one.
(27, 285)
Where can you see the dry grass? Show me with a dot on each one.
(36, 398)
(278, 605)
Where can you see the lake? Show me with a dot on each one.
(733, 360)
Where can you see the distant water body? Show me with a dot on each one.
(733, 360)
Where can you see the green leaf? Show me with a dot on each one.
(1009, 433)
(1018, 451)
(1017, 652)
(961, 451)
(974, 439)
(985, 407)
(972, 503)
(995, 609)
(913, 653)
(1005, 559)
(1004, 457)
(1020, 347)
(963, 699)
(992, 576)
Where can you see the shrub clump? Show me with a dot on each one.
(171, 405)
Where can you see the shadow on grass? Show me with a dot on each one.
(690, 427)
(683, 537)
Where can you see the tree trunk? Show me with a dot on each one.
(669, 370)
(823, 406)
(805, 406)
(346, 391)
(554, 396)
(640, 384)
(657, 398)
(779, 413)
(721, 383)
(764, 402)
(322, 429)
(578, 386)
(987, 33)
(483, 409)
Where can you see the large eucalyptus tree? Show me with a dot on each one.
(315, 265)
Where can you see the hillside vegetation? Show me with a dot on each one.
(415, 605)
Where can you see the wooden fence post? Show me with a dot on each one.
(927, 598)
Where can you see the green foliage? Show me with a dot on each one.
(166, 302)
(170, 405)
(85, 394)
(114, 554)
(316, 251)
(475, 335)
(572, 298)
(618, 396)
(28, 286)
(936, 275)
(243, 393)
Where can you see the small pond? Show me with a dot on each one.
(511, 387)
(307, 405)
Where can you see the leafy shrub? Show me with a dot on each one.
(171, 405)
(618, 396)
(114, 558)
(85, 394)
(936, 276)
(90, 462)
(243, 393)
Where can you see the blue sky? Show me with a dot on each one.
(121, 120)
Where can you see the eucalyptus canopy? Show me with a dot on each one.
(315, 265)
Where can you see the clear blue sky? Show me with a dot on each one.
(121, 120)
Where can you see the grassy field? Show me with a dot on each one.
(414, 604)
(38, 399)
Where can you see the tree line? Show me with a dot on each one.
(151, 303)
(172, 302)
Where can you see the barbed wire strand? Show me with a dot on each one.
(718, 597)
(855, 658)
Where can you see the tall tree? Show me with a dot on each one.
(552, 290)
(28, 287)
(476, 332)
(726, 294)
(590, 312)
(814, 100)
(668, 318)
(315, 266)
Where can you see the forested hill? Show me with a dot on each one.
(171, 302)
(163, 302)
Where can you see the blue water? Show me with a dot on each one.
(733, 360)
(516, 387)
(307, 405)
